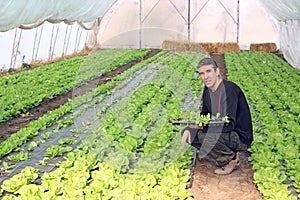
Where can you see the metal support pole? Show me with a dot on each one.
(64, 45)
(238, 21)
(34, 44)
(38, 42)
(189, 20)
(77, 40)
(67, 46)
(140, 28)
(53, 41)
(15, 48)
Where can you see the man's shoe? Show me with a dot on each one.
(230, 167)
(200, 157)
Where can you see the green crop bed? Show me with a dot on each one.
(130, 150)
(133, 143)
(26, 89)
(272, 88)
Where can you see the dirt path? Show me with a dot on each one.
(220, 60)
(11, 126)
(236, 186)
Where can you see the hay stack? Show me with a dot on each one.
(266, 47)
(210, 47)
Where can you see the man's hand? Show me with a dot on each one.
(186, 136)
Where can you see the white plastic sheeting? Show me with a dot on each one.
(32, 30)
(283, 9)
(45, 43)
(32, 13)
(289, 32)
(287, 13)
(143, 23)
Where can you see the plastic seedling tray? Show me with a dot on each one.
(210, 123)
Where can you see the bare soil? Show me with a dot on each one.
(206, 185)
(236, 186)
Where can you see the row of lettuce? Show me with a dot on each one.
(134, 153)
(272, 87)
(23, 90)
(57, 116)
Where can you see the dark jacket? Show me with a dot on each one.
(230, 100)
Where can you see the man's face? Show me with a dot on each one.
(209, 76)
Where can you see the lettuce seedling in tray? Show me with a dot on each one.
(202, 121)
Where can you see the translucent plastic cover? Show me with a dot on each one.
(287, 12)
(135, 22)
(31, 13)
(283, 9)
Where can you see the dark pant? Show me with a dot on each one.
(218, 148)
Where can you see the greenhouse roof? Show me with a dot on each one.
(31, 13)
(181, 21)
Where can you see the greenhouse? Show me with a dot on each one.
(135, 99)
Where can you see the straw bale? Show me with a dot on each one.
(266, 47)
(222, 47)
(210, 47)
